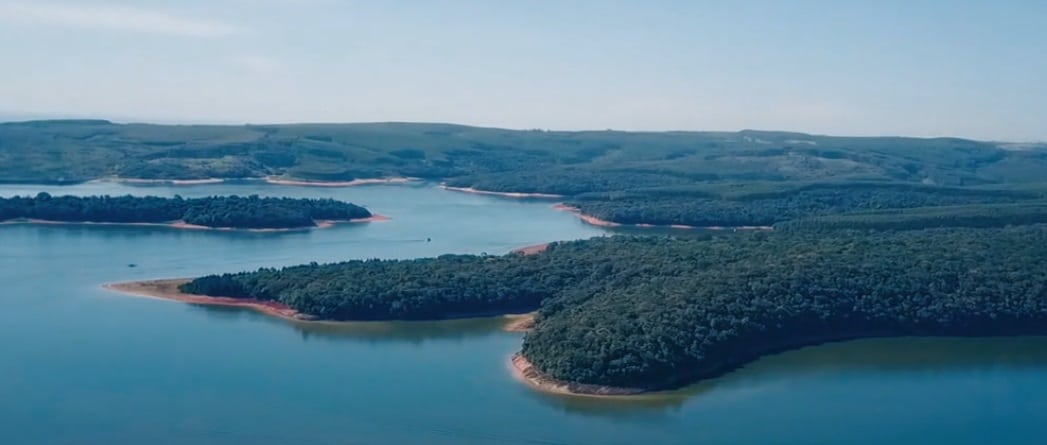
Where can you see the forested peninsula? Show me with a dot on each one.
(234, 212)
(630, 314)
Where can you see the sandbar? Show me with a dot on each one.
(502, 194)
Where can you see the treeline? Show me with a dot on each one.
(975, 216)
(434, 288)
(674, 206)
(250, 212)
(647, 312)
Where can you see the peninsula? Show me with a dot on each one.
(719, 301)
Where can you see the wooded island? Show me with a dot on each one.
(250, 212)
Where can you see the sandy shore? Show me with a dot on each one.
(519, 322)
(502, 194)
(303, 183)
(525, 372)
(531, 250)
(320, 224)
(168, 290)
(589, 219)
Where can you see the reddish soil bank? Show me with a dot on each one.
(524, 371)
(168, 290)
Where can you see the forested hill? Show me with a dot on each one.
(647, 312)
(556, 162)
(694, 178)
(251, 212)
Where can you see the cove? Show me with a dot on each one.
(83, 365)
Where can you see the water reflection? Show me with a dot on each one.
(414, 332)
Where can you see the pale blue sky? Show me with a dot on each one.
(923, 68)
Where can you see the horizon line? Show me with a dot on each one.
(12, 118)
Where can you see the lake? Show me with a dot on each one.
(81, 365)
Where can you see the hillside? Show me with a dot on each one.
(742, 178)
(496, 159)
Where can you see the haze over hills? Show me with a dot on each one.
(77, 150)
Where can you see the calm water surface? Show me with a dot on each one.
(79, 365)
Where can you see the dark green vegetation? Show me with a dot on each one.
(694, 178)
(697, 208)
(976, 215)
(876, 236)
(652, 313)
(249, 212)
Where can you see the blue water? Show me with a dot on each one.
(80, 365)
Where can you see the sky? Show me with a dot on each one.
(975, 69)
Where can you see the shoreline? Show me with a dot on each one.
(274, 180)
(531, 250)
(141, 181)
(502, 194)
(166, 289)
(592, 220)
(525, 372)
(182, 225)
(520, 322)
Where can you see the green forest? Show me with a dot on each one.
(251, 212)
(691, 178)
(688, 207)
(654, 312)
(873, 236)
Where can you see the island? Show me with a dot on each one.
(630, 314)
(216, 212)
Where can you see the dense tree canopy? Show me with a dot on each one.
(699, 208)
(700, 308)
(251, 212)
(974, 215)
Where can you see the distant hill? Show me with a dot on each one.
(497, 159)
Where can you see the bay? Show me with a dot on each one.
(80, 365)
